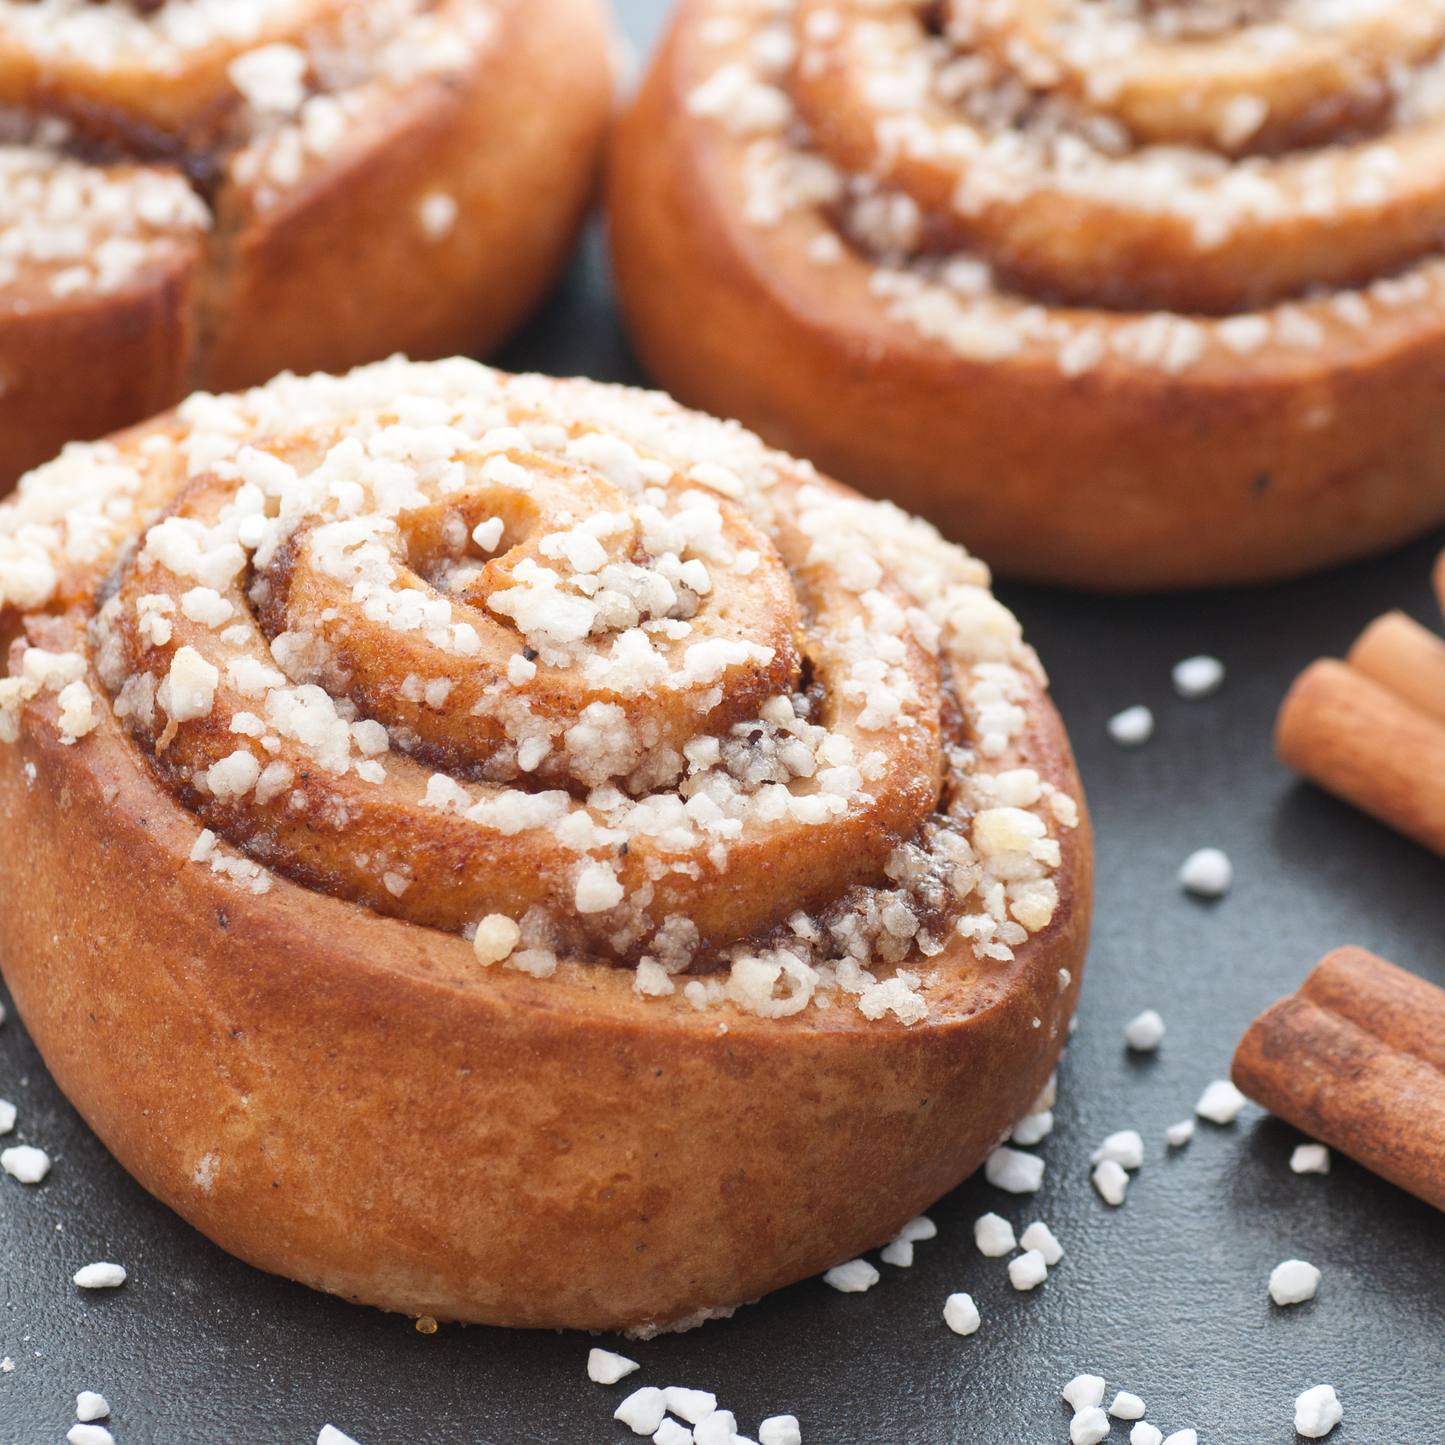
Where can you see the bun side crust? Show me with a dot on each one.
(1237, 470)
(350, 1101)
(88, 366)
(340, 273)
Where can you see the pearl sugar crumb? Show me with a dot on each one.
(1014, 1171)
(1040, 1237)
(960, 1314)
(1198, 676)
(1293, 1282)
(1028, 1271)
(1220, 1102)
(1317, 1411)
(1310, 1159)
(1132, 727)
(1144, 1032)
(100, 1276)
(994, 1236)
(606, 1368)
(852, 1278)
(1206, 873)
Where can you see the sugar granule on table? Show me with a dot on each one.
(960, 1314)
(100, 1276)
(717, 1429)
(1144, 1032)
(1084, 1390)
(1014, 1171)
(89, 1435)
(1125, 1147)
(1132, 727)
(1220, 1103)
(1182, 1437)
(1089, 1426)
(26, 1163)
(780, 1430)
(1111, 1181)
(1198, 676)
(603, 1366)
(897, 1252)
(852, 1278)
(330, 1435)
(1028, 1271)
(1033, 1127)
(90, 1405)
(689, 1405)
(1127, 1406)
(1317, 1411)
(7, 1116)
(642, 1410)
(1178, 1135)
(994, 1235)
(1293, 1282)
(1206, 873)
(671, 1433)
(1145, 1434)
(1310, 1159)
(1040, 1237)
(919, 1228)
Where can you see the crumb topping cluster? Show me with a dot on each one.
(557, 666)
(1099, 182)
(122, 125)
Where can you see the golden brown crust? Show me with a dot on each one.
(1122, 477)
(341, 268)
(350, 1101)
(538, 1135)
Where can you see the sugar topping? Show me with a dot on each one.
(1100, 183)
(434, 620)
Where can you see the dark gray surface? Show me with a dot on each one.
(1165, 1297)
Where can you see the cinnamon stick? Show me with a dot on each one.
(1356, 1058)
(1395, 651)
(1364, 743)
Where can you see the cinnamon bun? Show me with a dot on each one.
(205, 192)
(515, 850)
(1121, 293)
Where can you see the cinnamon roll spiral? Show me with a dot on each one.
(205, 192)
(1126, 294)
(586, 730)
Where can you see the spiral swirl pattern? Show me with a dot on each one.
(559, 667)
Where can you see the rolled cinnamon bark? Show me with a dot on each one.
(1356, 1058)
(1395, 651)
(1367, 745)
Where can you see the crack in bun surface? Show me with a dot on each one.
(527, 852)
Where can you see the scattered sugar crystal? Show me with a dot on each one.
(1198, 676)
(919, 1228)
(642, 1410)
(1306, 1159)
(689, 1405)
(1182, 1437)
(26, 1163)
(960, 1314)
(607, 1368)
(91, 1406)
(1133, 726)
(1207, 873)
(496, 937)
(1178, 1135)
(1014, 1171)
(89, 1435)
(7, 1116)
(994, 1236)
(1144, 1032)
(1089, 1426)
(1028, 1270)
(100, 1276)
(1085, 1390)
(1040, 1237)
(852, 1278)
(716, 1429)
(780, 1430)
(1220, 1102)
(897, 1252)
(1127, 1406)
(1111, 1181)
(330, 1435)
(671, 1433)
(1145, 1434)
(1125, 1147)
(1317, 1411)
(1293, 1282)
(597, 889)
(1032, 1128)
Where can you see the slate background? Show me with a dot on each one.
(1165, 1297)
